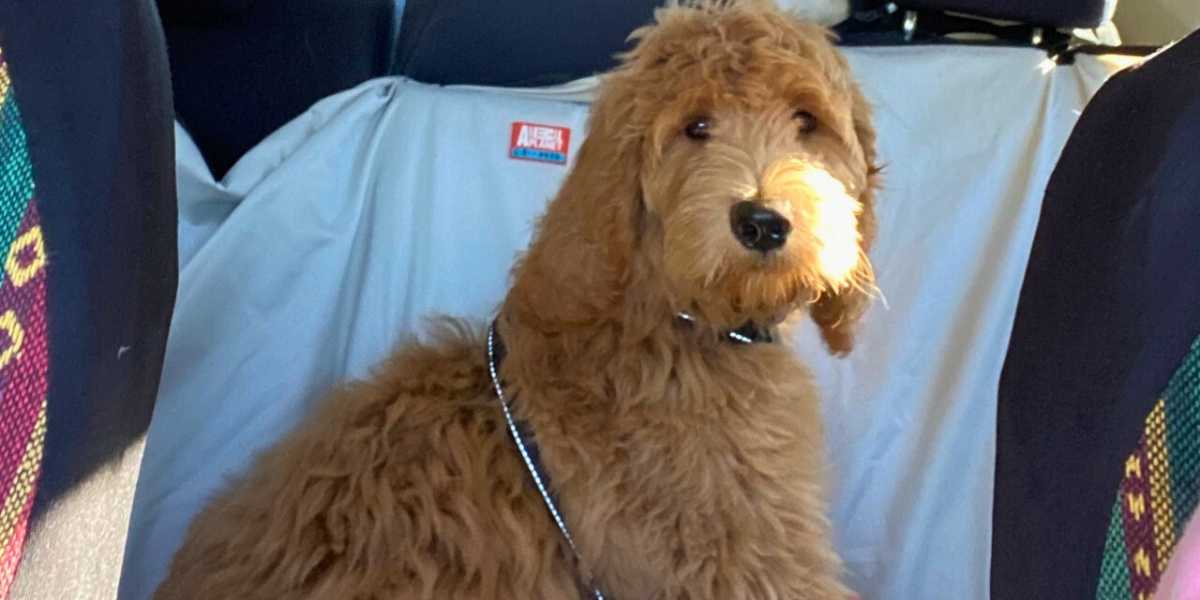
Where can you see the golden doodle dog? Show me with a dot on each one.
(726, 184)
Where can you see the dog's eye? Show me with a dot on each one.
(698, 129)
(808, 123)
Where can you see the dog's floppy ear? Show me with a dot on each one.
(579, 262)
(838, 312)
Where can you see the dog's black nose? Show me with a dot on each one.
(758, 227)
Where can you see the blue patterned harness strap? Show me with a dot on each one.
(529, 451)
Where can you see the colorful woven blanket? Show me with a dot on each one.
(23, 345)
(1159, 489)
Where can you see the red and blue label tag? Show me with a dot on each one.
(543, 143)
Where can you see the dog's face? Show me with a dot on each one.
(755, 163)
(759, 205)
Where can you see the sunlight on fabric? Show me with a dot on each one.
(72, 544)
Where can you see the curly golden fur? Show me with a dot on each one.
(686, 466)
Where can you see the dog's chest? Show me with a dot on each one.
(679, 492)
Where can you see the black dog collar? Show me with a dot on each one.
(749, 333)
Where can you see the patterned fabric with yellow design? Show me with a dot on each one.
(23, 343)
(1159, 490)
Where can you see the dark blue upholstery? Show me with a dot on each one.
(519, 43)
(1107, 311)
(92, 81)
(1070, 13)
(243, 68)
(539, 42)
